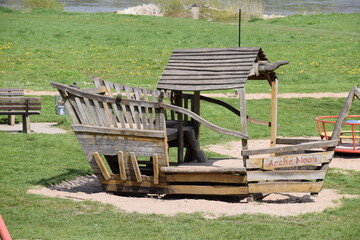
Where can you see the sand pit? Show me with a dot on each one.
(89, 188)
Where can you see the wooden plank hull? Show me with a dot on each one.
(279, 174)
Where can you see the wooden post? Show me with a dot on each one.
(178, 102)
(195, 12)
(26, 123)
(156, 168)
(196, 110)
(122, 169)
(11, 120)
(274, 92)
(243, 120)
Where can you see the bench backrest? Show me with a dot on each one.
(7, 92)
(20, 103)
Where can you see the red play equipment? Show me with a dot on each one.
(4, 233)
(349, 136)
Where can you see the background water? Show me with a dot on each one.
(281, 7)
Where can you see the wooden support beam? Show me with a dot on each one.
(274, 110)
(196, 110)
(243, 121)
(156, 168)
(122, 169)
(136, 167)
(26, 123)
(101, 165)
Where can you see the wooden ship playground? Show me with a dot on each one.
(126, 131)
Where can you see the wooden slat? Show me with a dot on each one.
(199, 87)
(195, 50)
(202, 169)
(218, 69)
(207, 190)
(136, 167)
(101, 165)
(156, 168)
(11, 107)
(302, 146)
(284, 187)
(201, 73)
(122, 170)
(208, 64)
(285, 175)
(187, 81)
(118, 131)
(209, 177)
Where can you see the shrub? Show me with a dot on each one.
(217, 10)
(48, 4)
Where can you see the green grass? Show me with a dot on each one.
(43, 45)
(40, 159)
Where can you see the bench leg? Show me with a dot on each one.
(26, 123)
(11, 120)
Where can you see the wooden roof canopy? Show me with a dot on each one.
(216, 68)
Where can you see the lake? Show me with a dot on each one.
(281, 7)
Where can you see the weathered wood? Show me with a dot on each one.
(207, 190)
(136, 167)
(203, 169)
(156, 168)
(274, 109)
(285, 175)
(292, 141)
(119, 131)
(343, 113)
(101, 165)
(206, 177)
(201, 87)
(203, 121)
(302, 146)
(284, 187)
(122, 170)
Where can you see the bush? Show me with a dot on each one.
(48, 4)
(217, 10)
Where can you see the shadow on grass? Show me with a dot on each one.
(68, 175)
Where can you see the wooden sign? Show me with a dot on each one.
(315, 159)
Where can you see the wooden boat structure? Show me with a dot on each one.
(126, 132)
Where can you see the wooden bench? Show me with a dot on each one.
(24, 106)
(11, 92)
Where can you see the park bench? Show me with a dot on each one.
(13, 103)
(11, 92)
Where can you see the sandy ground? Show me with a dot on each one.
(48, 128)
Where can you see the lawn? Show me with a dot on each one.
(41, 46)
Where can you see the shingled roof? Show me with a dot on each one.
(209, 68)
